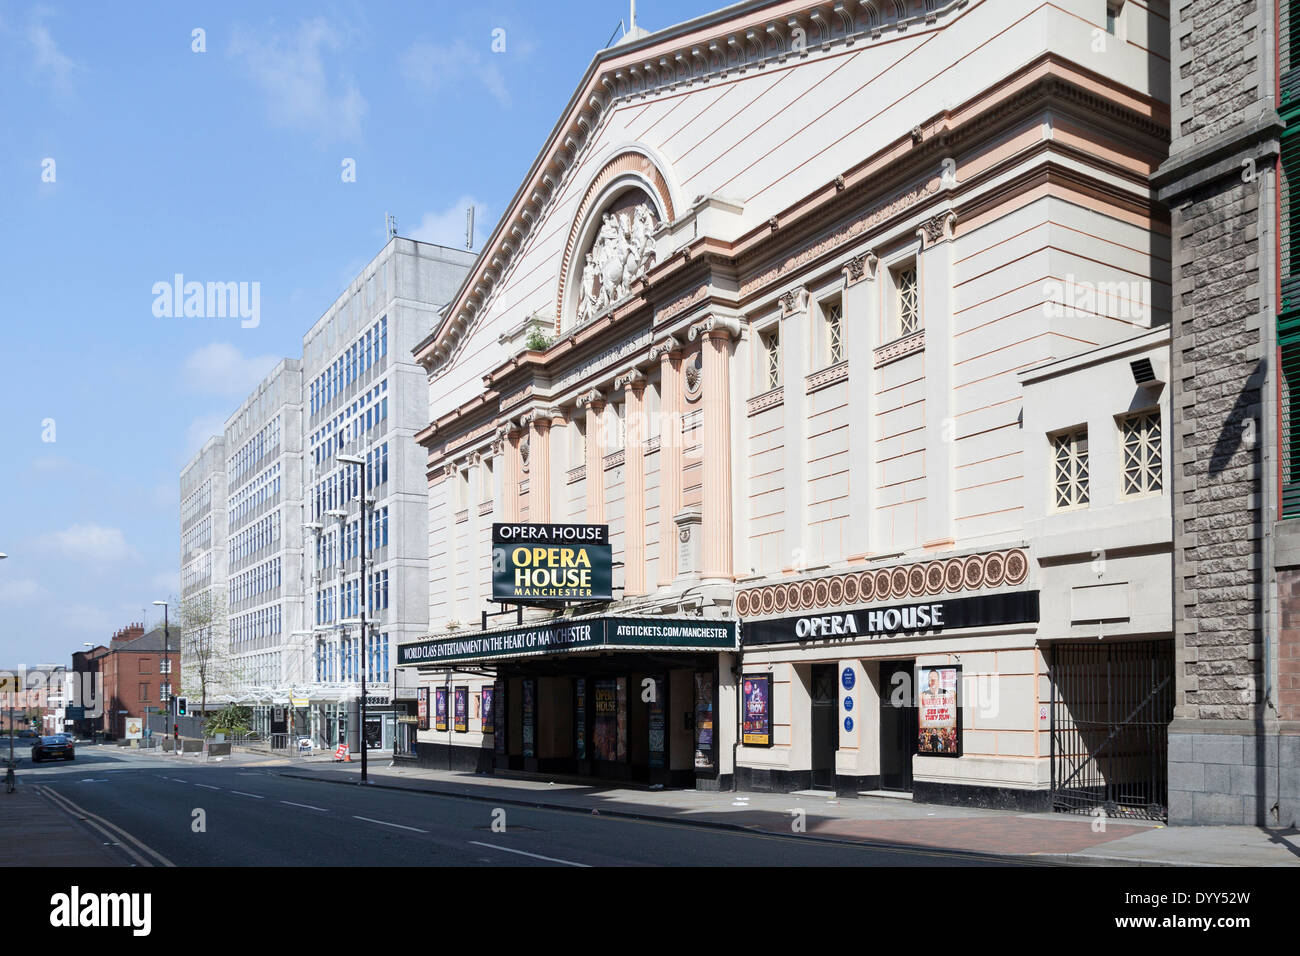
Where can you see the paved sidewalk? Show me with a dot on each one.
(35, 832)
(882, 820)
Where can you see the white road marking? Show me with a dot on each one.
(253, 795)
(206, 787)
(382, 823)
(305, 805)
(535, 856)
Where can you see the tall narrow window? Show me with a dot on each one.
(1143, 465)
(834, 313)
(771, 358)
(1070, 469)
(907, 303)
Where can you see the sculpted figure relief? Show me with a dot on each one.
(623, 251)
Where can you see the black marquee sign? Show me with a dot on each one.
(895, 620)
(545, 563)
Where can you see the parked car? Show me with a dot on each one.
(52, 747)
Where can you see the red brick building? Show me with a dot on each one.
(140, 671)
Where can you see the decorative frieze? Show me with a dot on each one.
(973, 572)
(680, 305)
(900, 348)
(827, 376)
(575, 474)
(769, 399)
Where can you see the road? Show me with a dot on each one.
(250, 815)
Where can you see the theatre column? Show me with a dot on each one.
(668, 352)
(861, 332)
(539, 473)
(594, 404)
(514, 469)
(716, 333)
(633, 384)
(935, 276)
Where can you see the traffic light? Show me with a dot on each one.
(180, 706)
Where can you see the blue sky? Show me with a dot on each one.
(223, 165)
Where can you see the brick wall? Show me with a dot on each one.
(1288, 653)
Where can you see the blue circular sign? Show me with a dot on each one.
(848, 724)
(847, 678)
(848, 703)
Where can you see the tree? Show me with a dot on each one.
(206, 661)
(231, 719)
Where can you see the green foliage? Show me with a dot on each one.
(232, 720)
(538, 340)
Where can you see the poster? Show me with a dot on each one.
(580, 718)
(756, 726)
(605, 736)
(530, 717)
(422, 707)
(486, 713)
(461, 712)
(704, 720)
(622, 719)
(440, 708)
(656, 721)
(499, 739)
(938, 733)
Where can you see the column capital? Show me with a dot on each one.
(667, 346)
(633, 379)
(861, 267)
(938, 228)
(796, 300)
(716, 326)
(594, 398)
(540, 416)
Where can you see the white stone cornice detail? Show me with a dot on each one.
(716, 323)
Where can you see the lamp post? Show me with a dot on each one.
(341, 516)
(315, 527)
(361, 462)
(14, 693)
(167, 669)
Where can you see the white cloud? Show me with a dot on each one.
(50, 62)
(431, 67)
(20, 591)
(221, 369)
(290, 69)
(200, 430)
(87, 542)
(447, 228)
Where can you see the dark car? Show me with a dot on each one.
(49, 748)
(29, 735)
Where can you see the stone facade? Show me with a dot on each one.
(1228, 738)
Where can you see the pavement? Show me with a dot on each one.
(35, 831)
(878, 821)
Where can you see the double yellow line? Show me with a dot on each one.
(112, 831)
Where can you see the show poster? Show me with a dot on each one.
(440, 708)
(422, 706)
(530, 717)
(580, 718)
(656, 721)
(939, 731)
(704, 720)
(461, 725)
(606, 730)
(756, 726)
(541, 563)
(622, 719)
(485, 709)
(499, 738)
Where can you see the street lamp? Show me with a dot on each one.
(167, 668)
(361, 462)
(341, 517)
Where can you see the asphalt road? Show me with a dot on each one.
(252, 816)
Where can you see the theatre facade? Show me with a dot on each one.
(802, 422)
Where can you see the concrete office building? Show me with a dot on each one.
(860, 340)
(264, 586)
(364, 395)
(1230, 185)
(203, 548)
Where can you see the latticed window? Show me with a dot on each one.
(772, 358)
(1143, 463)
(1070, 469)
(909, 311)
(835, 332)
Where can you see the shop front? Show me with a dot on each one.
(631, 699)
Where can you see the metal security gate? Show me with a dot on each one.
(1111, 708)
